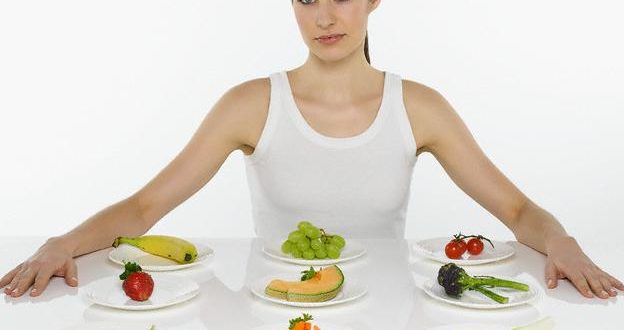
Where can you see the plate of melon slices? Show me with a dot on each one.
(328, 287)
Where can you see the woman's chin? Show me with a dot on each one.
(332, 56)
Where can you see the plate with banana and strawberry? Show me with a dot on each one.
(159, 252)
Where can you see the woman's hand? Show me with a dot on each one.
(565, 259)
(53, 258)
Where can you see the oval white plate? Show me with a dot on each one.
(168, 290)
(433, 249)
(351, 251)
(281, 326)
(474, 299)
(125, 252)
(350, 291)
(470, 326)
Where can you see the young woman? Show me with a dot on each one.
(334, 140)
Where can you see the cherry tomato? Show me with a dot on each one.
(455, 248)
(474, 246)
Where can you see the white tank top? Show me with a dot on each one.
(355, 186)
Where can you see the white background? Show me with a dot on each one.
(97, 96)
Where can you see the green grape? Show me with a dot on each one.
(333, 252)
(316, 243)
(338, 241)
(296, 235)
(312, 232)
(303, 244)
(297, 253)
(303, 224)
(308, 255)
(321, 253)
(287, 247)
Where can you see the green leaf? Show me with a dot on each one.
(130, 267)
(305, 318)
(308, 274)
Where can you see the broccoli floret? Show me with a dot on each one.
(455, 281)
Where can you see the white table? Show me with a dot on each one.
(391, 271)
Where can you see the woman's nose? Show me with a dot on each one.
(325, 14)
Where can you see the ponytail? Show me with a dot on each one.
(366, 54)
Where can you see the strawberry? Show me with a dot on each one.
(137, 284)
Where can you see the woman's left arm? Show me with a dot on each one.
(439, 130)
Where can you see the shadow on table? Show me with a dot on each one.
(49, 295)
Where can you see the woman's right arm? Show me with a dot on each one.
(235, 122)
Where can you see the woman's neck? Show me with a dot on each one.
(343, 80)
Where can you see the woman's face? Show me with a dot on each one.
(333, 29)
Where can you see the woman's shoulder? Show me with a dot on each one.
(242, 110)
(428, 111)
(250, 97)
(418, 96)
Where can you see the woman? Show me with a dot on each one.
(333, 139)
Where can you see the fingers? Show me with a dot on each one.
(71, 273)
(38, 274)
(9, 289)
(6, 279)
(552, 274)
(581, 284)
(616, 283)
(27, 277)
(606, 284)
(596, 284)
(41, 281)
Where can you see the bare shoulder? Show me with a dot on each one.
(242, 112)
(429, 113)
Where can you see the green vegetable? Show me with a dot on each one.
(455, 281)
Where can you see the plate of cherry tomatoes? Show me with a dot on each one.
(463, 249)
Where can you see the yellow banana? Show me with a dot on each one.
(174, 248)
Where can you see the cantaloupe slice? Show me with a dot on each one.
(324, 286)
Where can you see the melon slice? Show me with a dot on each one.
(324, 286)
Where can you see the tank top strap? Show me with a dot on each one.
(273, 117)
(399, 114)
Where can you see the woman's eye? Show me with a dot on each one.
(309, 2)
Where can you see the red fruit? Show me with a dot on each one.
(474, 246)
(455, 248)
(138, 286)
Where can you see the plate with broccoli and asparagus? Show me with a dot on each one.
(455, 286)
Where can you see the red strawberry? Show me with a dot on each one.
(137, 285)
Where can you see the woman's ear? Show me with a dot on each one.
(372, 5)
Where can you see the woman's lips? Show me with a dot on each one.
(330, 38)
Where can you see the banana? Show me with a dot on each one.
(174, 248)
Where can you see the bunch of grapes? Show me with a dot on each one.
(309, 242)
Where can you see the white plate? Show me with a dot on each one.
(351, 251)
(283, 326)
(433, 249)
(350, 291)
(125, 253)
(168, 290)
(474, 299)
(470, 326)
